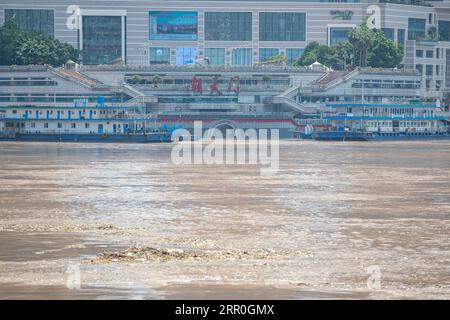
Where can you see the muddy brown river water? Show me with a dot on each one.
(338, 221)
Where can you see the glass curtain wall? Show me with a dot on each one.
(228, 26)
(102, 39)
(42, 21)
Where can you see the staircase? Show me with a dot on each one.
(287, 99)
(137, 97)
(78, 77)
(333, 78)
(291, 104)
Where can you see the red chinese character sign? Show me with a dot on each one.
(234, 84)
(197, 85)
(215, 86)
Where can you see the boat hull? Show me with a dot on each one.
(369, 136)
(341, 136)
(95, 138)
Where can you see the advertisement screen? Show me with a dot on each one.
(173, 25)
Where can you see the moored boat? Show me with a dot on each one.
(48, 123)
(384, 122)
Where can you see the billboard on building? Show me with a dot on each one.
(173, 25)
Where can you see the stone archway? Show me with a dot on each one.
(224, 124)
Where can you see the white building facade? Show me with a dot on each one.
(245, 32)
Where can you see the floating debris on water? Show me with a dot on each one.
(56, 228)
(144, 254)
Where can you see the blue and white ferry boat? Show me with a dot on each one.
(384, 121)
(80, 122)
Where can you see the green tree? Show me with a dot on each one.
(277, 58)
(322, 53)
(156, 80)
(384, 53)
(432, 33)
(22, 47)
(365, 47)
(306, 59)
(362, 40)
(10, 40)
(267, 79)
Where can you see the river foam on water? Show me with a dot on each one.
(338, 220)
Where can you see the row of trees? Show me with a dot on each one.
(23, 47)
(365, 47)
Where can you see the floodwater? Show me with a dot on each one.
(338, 221)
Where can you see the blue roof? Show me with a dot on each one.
(391, 105)
(78, 120)
(383, 118)
(70, 107)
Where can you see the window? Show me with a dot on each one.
(159, 55)
(228, 26)
(86, 125)
(216, 56)
(419, 67)
(419, 53)
(388, 32)
(33, 19)
(429, 54)
(267, 53)
(33, 125)
(186, 56)
(73, 125)
(282, 26)
(416, 28)
(338, 35)
(241, 57)
(429, 70)
(46, 125)
(292, 55)
(102, 39)
(444, 30)
(59, 125)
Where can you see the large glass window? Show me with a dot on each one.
(416, 28)
(228, 26)
(267, 53)
(282, 26)
(292, 55)
(186, 56)
(102, 39)
(388, 32)
(338, 35)
(419, 67)
(216, 56)
(429, 70)
(241, 57)
(159, 55)
(401, 37)
(444, 30)
(33, 19)
(173, 25)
